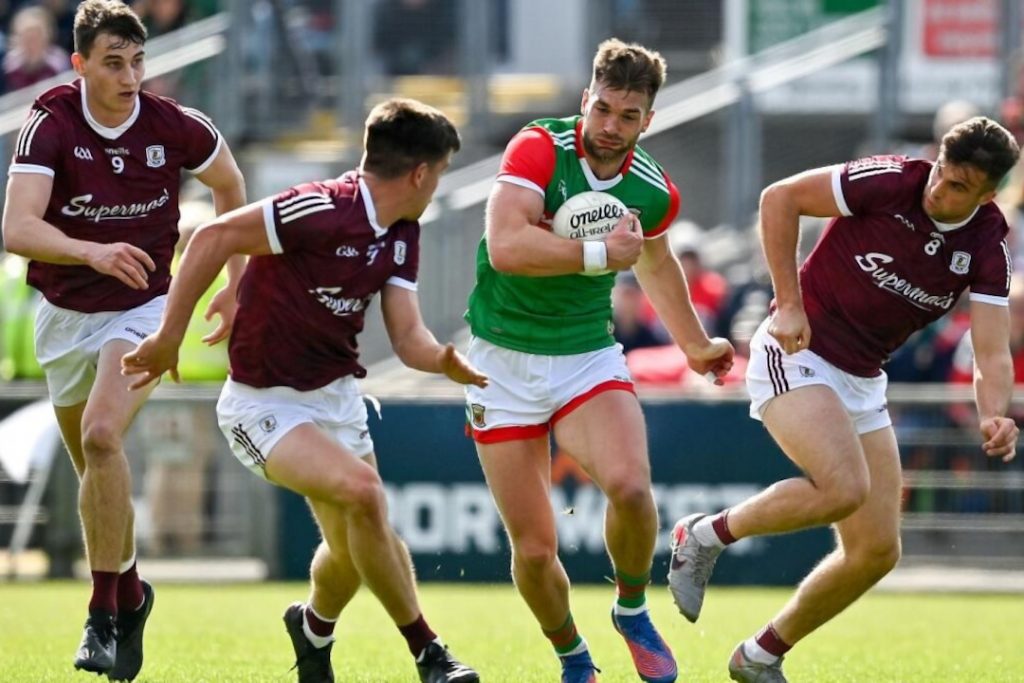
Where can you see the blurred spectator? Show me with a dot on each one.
(632, 329)
(927, 356)
(708, 289)
(63, 14)
(161, 16)
(415, 36)
(946, 116)
(963, 362)
(33, 56)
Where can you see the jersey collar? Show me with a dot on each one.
(371, 210)
(592, 180)
(108, 133)
(949, 227)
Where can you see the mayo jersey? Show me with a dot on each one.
(885, 269)
(566, 314)
(111, 185)
(300, 308)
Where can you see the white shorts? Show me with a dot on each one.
(771, 372)
(255, 420)
(529, 392)
(68, 343)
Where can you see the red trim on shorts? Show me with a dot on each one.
(611, 385)
(513, 433)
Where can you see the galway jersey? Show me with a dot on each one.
(111, 185)
(301, 307)
(885, 269)
(565, 314)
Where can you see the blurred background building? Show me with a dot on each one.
(757, 90)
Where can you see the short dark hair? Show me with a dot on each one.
(982, 143)
(628, 66)
(403, 133)
(94, 17)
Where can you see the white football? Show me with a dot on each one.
(588, 216)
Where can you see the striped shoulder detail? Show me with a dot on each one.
(28, 132)
(302, 205)
(565, 140)
(645, 169)
(872, 166)
(203, 119)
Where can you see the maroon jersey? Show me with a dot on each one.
(300, 309)
(111, 185)
(884, 269)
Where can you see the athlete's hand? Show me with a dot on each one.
(713, 359)
(456, 368)
(624, 243)
(790, 327)
(126, 262)
(154, 356)
(224, 304)
(1000, 435)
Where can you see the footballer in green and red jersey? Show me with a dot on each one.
(564, 314)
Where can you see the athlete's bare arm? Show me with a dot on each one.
(517, 245)
(27, 234)
(415, 345)
(228, 188)
(993, 378)
(239, 232)
(782, 203)
(662, 279)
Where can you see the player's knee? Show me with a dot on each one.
(876, 557)
(534, 554)
(845, 496)
(363, 494)
(629, 492)
(100, 440)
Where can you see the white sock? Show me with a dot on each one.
(705, 533)
(579, 649)
(629, 611)
(757, 653)
(317, 641)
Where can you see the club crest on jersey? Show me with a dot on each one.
(399, 252)
(155, 156)
(83, 153)
(960, 263)
(477, 415)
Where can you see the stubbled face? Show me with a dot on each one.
(954, 191)
(613, 121)
(113, 74)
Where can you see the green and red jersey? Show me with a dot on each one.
(563, 314)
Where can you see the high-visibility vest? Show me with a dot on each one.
(18, 303)
(197, 361)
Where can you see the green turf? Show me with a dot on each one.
(234, 633)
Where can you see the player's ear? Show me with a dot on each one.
(987, 197)
(583, 101)
(647, 120)
(419, 173)
(78, 63)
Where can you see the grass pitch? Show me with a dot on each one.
(230, 633)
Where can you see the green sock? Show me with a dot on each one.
(565, 638)
(631, 589)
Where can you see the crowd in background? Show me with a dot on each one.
(36, 36)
